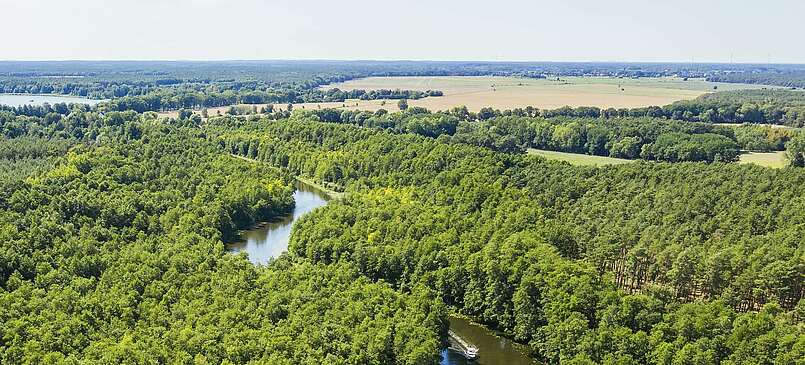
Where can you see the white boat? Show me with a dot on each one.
(458, 344)
(471, 352)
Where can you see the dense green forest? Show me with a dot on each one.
(113, 222)
(113, 247)
(784, 107)
(639, 263)
(628, 137)
(793, 77)
(179, 98)
(511, 131)
(781, 107)
(113, 253)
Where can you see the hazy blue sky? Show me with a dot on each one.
(561, 30)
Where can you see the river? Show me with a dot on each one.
(39, 99)
(492, 350)
(270, 240)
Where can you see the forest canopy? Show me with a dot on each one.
(562, 258)
(113, 223)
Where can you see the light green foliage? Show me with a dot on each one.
(577, 158)
(115, 255)
(633, 263)
(795, 151)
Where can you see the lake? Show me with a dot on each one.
(39, 99)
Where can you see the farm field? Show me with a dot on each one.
(578, 159)
(509, 92)
(370, 105)
(477, 92)
(767, 159)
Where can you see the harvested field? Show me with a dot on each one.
(510, 92)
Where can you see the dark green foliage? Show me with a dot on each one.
(781, 107)
(31, 148)
(646, 138)
(112, 229)
(675, 147)
(795, 151)
(785, 107)
(334, 95)
(626, 137)
(116, 256)
(790, 78)
(763, 138)
(638, 263)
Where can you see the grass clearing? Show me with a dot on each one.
(577, 158)
(767, 159)
(510, 92)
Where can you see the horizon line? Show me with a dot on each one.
(213, 60)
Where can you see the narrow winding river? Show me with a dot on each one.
(270, 240)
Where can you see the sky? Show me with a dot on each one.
(489, 30)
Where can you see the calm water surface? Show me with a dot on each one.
(270, 240)
(32, 99)
(492, 350)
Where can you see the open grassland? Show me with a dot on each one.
(767, 159)
(511, 92)
(577, 158)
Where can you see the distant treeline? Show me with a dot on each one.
(783, 107)
(628, 137)
(511, 131)
(793, 78)
(77, 75)
(338, 95)
(283, 81)
(632, 138)
(173, 99)
(136, 87)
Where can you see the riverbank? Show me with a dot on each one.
(493, 347)
(269, 240)
(328, 190)
(333, 194)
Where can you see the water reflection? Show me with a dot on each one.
(492, 350)
(269, 240)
